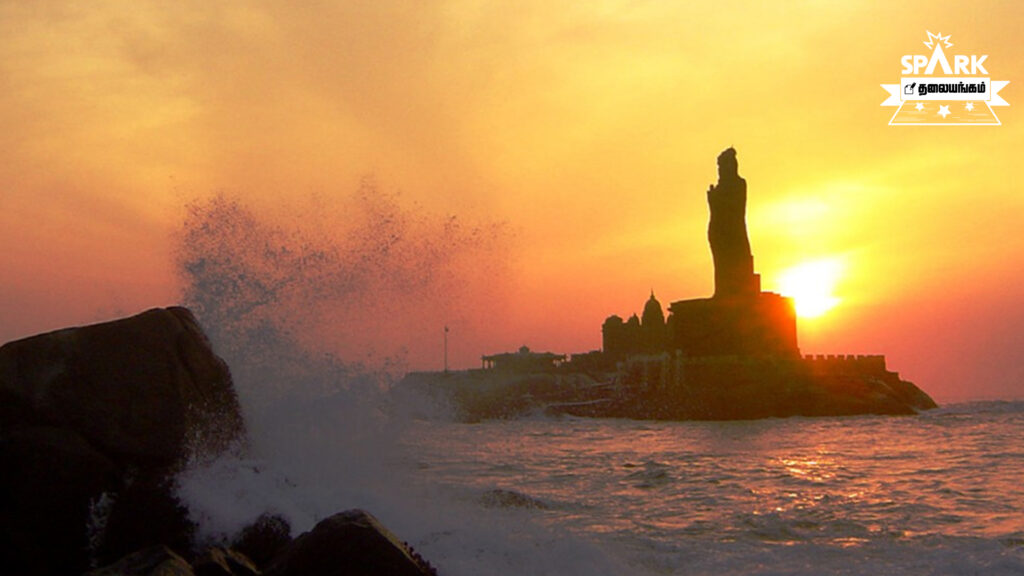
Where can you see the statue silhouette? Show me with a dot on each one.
(727, 231)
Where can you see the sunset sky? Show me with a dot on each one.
(589, 129)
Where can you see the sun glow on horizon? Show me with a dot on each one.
(812, 285)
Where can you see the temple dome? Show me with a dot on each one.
(652, 312)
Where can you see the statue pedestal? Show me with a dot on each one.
(759, 324)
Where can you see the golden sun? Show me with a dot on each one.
(811, 285)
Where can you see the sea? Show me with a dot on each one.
(937, 493)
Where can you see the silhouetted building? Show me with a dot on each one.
(523, 361)
(653, 337)
(646, 334)
(740, 319)
(613, 335)
(632, 334)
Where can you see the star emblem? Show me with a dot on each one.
(932, 38)
(919, 106)
(970, 106)
(944, 111)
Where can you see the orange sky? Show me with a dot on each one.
(590, 128)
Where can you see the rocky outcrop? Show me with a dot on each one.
(145, 390)
(94, 422)
(662, 387)
(48, 477)
(162, 561)
(218, 561)
(264, 539)
(152, 561)
(353, 543)
(750, 388)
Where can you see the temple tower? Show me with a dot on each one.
(653, 337)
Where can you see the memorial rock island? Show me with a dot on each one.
(731, 356)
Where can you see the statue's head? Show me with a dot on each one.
(728, 167)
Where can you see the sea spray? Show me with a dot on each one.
(316, 312)
(315, 317)
(365, 282)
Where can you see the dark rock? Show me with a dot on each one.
(219, 561)
(140, 389)
(350, 543)
(109, 413)
(910, 394)
(49, 477)
(153, 561)
(146, 512)
(264, 538)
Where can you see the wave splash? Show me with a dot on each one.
(316, 312)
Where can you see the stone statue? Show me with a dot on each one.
(727, 231)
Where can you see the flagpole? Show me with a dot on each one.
(446, 349)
